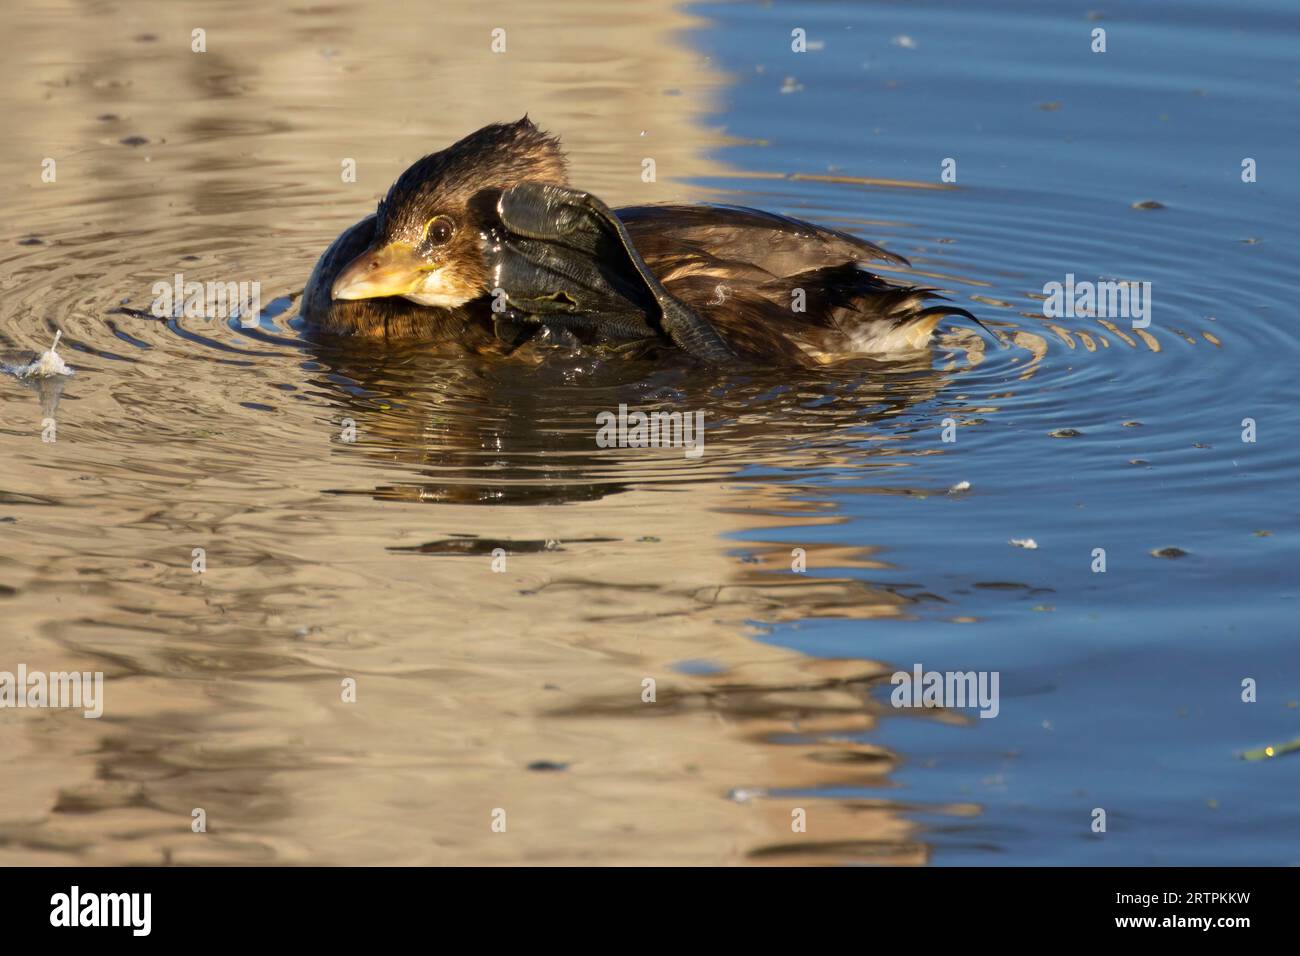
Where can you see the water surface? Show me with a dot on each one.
(522, 690)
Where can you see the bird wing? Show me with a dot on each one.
(745, 239)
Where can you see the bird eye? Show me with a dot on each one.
(437, 231)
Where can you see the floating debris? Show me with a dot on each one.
(1065, 433)
(1148, 204)
(46, 365)
(959, 488)
(1169, 553)
(1029, 544)
(547, 766)
(1273, 750)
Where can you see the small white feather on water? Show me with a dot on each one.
(1027, 543)
(45, 365)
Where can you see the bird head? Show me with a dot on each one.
(431, 226)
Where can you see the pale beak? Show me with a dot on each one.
(388, 270)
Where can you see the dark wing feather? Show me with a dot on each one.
(778, 245)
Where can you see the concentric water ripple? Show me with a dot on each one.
(902, 484)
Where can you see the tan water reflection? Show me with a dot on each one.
(372, 560)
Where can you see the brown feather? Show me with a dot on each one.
(741, 269)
